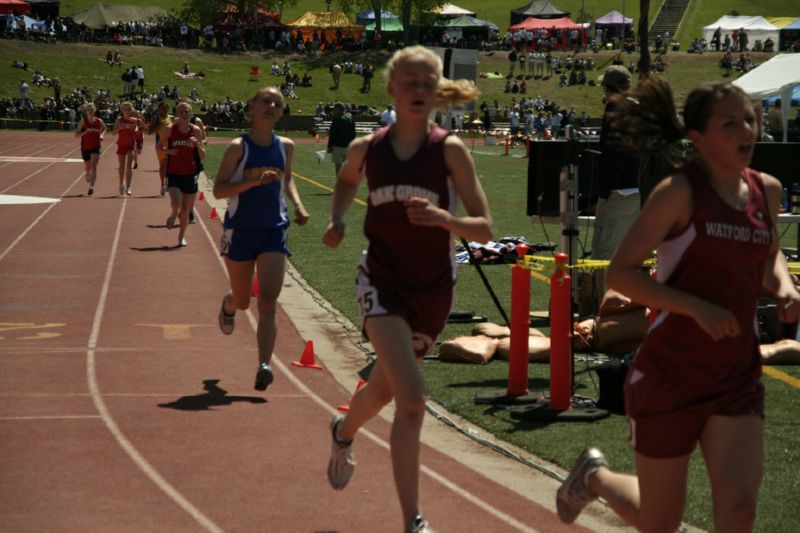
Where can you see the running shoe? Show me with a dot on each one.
(226, 321)
(171, 221)
(574, 494)
(342, 462)
(419, 525)
(91, 191)
(135, 165)
(128, 191)
(264, 376)
(182, 242)
(163, 190)
(191, 217)
(121, 189)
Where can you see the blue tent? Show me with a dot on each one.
(793, 26)
(795, 98)
(366, 17)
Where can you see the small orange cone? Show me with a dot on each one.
(214, 215)
(202, 196)
(345, 408)
(307, 360)
(254, 292)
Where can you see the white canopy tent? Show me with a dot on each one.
(757, 29)
(451, 10)
(777, 77)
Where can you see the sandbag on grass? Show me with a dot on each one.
(477, 349)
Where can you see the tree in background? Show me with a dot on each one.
(208, 11)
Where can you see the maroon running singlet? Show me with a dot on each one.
(681, 376)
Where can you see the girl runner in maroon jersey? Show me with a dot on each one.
(184, 148)
(415, 174)
(125, 130)
(696, 377)
(90, 129)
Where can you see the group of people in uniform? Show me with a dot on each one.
(180, 148)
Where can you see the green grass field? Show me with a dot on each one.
(454, 385)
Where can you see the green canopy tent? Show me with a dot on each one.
(462, 26)
(387, 24)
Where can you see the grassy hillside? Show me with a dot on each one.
(228, 75)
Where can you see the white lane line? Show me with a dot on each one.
(12, 199)
(105, 414)
(53, 417)
(27, 159)
(41, 216)
(455, 488)
(29, 176)
(48, 147)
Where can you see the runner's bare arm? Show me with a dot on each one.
(344, 192)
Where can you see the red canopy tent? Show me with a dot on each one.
(15, 7)
(563, 23)
(532, 23)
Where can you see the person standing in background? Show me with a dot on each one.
(618, 190)
(340, 134)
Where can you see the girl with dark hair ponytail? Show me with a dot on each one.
(696, 377)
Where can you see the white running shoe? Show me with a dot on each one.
(182, 242)
(574, 494)
(419, 525)
(342, 462)
(226, 321)
(128, 191)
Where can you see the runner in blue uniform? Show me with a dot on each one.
(254, 175)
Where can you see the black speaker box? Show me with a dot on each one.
(545, 162)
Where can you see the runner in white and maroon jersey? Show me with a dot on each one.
(415, 174)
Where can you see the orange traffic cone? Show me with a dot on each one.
(202, 196)
(344, 408)
(254, 292)
(213, 215)
(307, 360)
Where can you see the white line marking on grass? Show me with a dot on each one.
(331, 410)
(100, 405)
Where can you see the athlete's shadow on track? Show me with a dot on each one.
(213, 397)
(165, 248)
